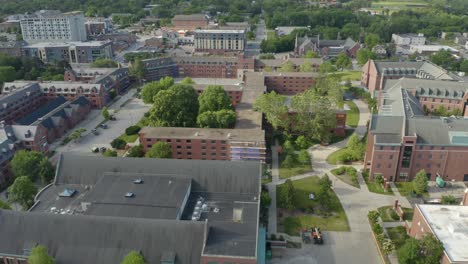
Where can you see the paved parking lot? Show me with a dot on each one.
(338, 247)
(455, 189)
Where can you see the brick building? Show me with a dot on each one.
(216, 41)
(402, 140)
(375, 73)
(275, 64)
(95, 93)
(157, 68)
(37, 130)
(190, 22)
(177, 211)
(17, 100)
(448, 223)
(8, 147)
(326, 47)
(289, 83)
(207, 143)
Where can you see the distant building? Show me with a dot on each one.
(430, 49)
(8, 146)
(190, 22)
(220, 41)
(402, 140)
(171, 211)
(448, 224)
(53, 26)
(326, 48)
(12, 48)
(98, 26)
(276, 64)
(376, 73)
(289, 83)
(380, 51)
(208, 143)
(408, 39)
(283, 31)
(71, 52)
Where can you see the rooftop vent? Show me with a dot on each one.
(138, 181)
(67, 192)
(237, 215)
(129, 195)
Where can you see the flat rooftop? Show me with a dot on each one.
(67, 44)
(204, 133)
(225, 87)
(449, 223)
(220, 31)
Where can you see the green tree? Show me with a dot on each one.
(431, 249)
(449, 199)
(27, 163)
(388, 246)
(39, 255)
(286, 194)
(323, 194)
(153, 88)
(343, 61)
(214, 98)
(118, 143)
(311, 54)
(109, 153)
(136, 152)
(445, 59)
(267, 56)
(105, 113)
(22, 191)
(161, 150)
(207, 120)
(225, 118)
(46, 171)
(304, 157)
(306, 67)
(290, 161)
(4, 205)
(133, 258)
(409, 252)
(355, 147)
(137, 69)
(371, 40)
(76, 135)
(302, 142)
(273, 106)
(363, 55)
(420, 182)
(464, 66)
(104, 63)
(288, 66)
(186, 80)
(265, 199)
(326, 67)
(7, 74)
(175, 107)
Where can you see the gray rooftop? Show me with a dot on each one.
(256, 135)
(77, 239)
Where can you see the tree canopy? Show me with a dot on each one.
(161, 150)
(30, 164)
(427, 250)
(39, 255)
(420, 182)
(104, 63)
(175, 107)
(214, 98)
(363, 55)
(22, 191)
(133, 258)
(153, 88)
(273, 106)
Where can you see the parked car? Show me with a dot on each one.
(103, 126)
(102, 149)
(95, 149)
(95, 132)
(112, 118)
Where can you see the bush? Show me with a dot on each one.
(373, 216)
(302, 142)
(377, 228)
(341, 170)
(132, 130)
(118, 143)
(378, 179)
(393, 214)
(290, 161)
(449, 199)
(281, 238)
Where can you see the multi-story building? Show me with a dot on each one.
(17, 100)
(190, 22)
(37, 130)
(12, 48)
(53, 26)
(326, 48)
(409, 39)
(98, 26)
(234, 92)
(375, 73)
(157, 68)
(177, 211)
(426, 50)
(8, 147)
(448, 224)
(207, 143)
(37, 91)
(289, 83)
(402, 140)
(71, 52)
(215, 41)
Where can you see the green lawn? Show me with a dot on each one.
(291, 224)
(345, 75)
(333, 158)
(406, 189)
(352, 115)
(397, 235)
(127, 138)
(290, 172)
(386, 214)
(271, 34)
(346, 178)
(375, 187)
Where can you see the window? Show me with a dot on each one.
(189, 147)
(407, 152)
(381, 147)
(380, 157)
(391, 156)
(378, 165)
(403, 176)
(429, 156)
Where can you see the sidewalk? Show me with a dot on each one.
(272, 223)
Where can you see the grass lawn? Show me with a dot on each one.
(375, 187)
(397, 235)
(352, 75)
(333, 158)
(129, 139)
(289, 172)
(386, 211)
(298, 219)
(271, 34)
(406, 189)
(352, 115)
(346, 178)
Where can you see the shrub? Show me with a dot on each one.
(302, 142)
(340, 170)
(118, 143)
(290, 161)
(281, 238)
(394, 215)
(132, 130)
(449, 199)
(377, 228)
(351, 171)
(378, 179)
(373, 216)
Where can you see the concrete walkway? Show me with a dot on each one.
(272, 225)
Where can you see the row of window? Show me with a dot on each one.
(186, 141)
(441, 100)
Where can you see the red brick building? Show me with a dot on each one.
(402, 140)
(17, 100)
(234, 92)
(289, 83)
(375, 73)
(190, 22)
(276, 64)
(207, 143)
(448, 224)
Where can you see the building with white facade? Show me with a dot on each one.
(53, 26)
(219, 41)
(408, 39)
